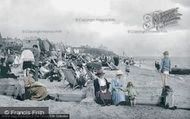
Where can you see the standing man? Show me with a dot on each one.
(36, 53)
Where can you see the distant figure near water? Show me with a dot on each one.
(127, 67)
(165, 67)
(157, 65)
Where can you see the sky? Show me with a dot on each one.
(98, 22)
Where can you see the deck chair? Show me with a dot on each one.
(112, 66)
(69, 76)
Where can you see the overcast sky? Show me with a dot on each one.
(61, 15)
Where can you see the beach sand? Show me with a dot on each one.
(148, 83)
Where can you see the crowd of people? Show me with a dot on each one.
(75, 68)
(56, 65)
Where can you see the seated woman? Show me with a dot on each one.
(43, 69)
(118, 96)
(101, 86)
(34, 90)
(10, 57)
(5, 70)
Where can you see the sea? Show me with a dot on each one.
(180, 62)
(148, 63)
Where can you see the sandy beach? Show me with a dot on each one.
(62, 55)
(147, 83)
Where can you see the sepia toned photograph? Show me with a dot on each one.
(95, 59)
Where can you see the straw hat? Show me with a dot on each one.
(119, 72)
(166, 53)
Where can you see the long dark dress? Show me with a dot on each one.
(102, 97)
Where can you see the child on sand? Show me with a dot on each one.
(165, 68)
(132, 93)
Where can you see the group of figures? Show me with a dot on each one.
(117, 96)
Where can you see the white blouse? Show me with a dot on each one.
(102, 81)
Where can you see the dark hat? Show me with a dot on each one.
(100, 72)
